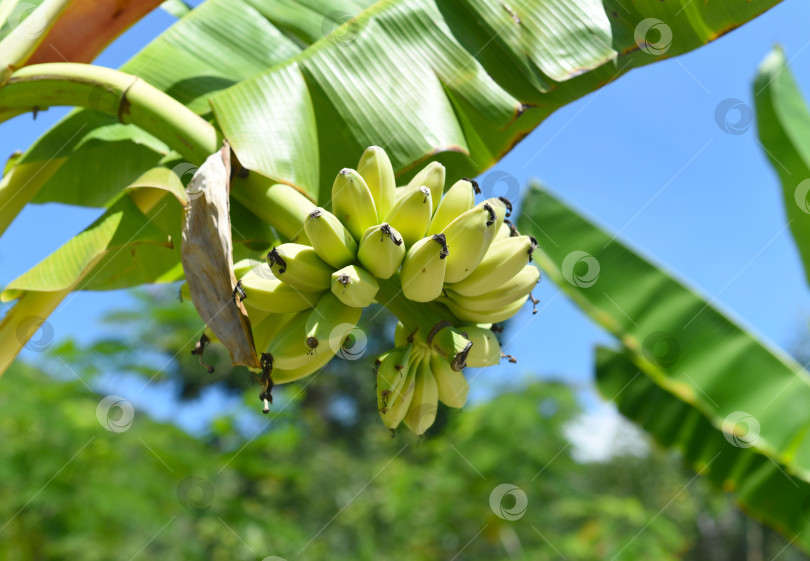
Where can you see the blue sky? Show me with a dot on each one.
(643, 155)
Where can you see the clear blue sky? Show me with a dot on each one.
(644, 155)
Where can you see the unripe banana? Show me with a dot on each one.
(507, 230)
(452, 385)
(241, 267)
(485, 350)
(330, 239)
(353, 203)
(381, 251)
(376, 169)
(459, 199)
(329, 323)
(315, 363)
(425, 403)
(289, 349)
(488, 316)
(423, 269)
(468, 238)
(399, 401)
(267, 328)
(504, 259)
(517, 287)
(403, 335)
(432, 177)
(266, 292)
(502, 208)
(410, 215)
(392, 370)
(300, 266)
(450, 343)
(354, 286)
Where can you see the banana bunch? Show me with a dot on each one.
(451, 259)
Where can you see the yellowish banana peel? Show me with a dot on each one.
(207, 255)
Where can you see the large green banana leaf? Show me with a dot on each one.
(462, 79)
(783, 121)
(762, 486)
(677, 338)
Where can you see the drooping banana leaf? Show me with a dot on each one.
(677, 338)
(123, 245)
(762, 486)
(783, 122)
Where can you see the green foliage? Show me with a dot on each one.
(295, 492)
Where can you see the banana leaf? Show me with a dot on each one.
(783, 123)
(761, 486)
(676, 337)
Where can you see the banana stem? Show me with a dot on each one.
(18, 46)
(283, 207)
(413, 314)
(127, 97)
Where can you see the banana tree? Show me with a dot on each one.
(232, 131)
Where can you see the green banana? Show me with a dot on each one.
(459, 199)
(487, 316)
(376, 169)
(450, 343)
(468, 238)
(403, 335)
(517, 287)
(504, 259)
(289, 349)
(316, 362)
(266, 329)
(329, 323)
(485, 350)
(423, 269)
(452, 385)
(353, 203)
(400, 399)
(425, 402)
(354, 286)
(381, 251)
(300, 266)
(392, 370)
(507, 230)
(330, 239)
(432, 177)
(410, 215)
(241, 267)
(266, 292)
